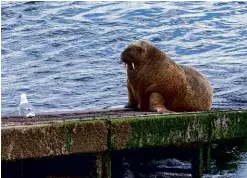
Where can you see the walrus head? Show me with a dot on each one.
(136, 55)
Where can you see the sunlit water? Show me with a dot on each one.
(66, 55)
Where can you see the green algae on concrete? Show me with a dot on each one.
(106, 165)
(197, 163)
(21, 142)
(87, 136)
(177, 130)
(99, 166)
(228, 125)
(97, 136)
(207, 157)
(120, 133)
(103, 165)
(28, 142)
(159, 131)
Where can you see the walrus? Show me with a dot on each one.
(156, 83)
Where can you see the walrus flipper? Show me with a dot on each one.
(132, 103)
(157, 103)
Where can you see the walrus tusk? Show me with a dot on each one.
(133, 65)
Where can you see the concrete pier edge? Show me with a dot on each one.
(101, 136)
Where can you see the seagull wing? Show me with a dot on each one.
(26, 110)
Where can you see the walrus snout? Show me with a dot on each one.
(127, 58)
(133, 55)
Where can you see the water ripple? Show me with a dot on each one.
(71, 50)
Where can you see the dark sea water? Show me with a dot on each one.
(66, 55)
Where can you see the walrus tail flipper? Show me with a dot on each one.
(156, 103)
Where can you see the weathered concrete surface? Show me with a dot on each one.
(178, 130)
(56, 139)
(226, 125)
(81, 134)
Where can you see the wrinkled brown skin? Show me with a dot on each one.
(159, 84)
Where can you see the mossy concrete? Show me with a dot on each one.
(177, 130)
(103, 165)
(36, 141)
(207, 158)
(197, 163)
(101, 135)
(228, 125)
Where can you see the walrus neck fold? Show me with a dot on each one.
(134, 73)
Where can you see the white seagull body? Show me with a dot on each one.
(25, 108)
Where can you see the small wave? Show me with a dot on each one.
(74, 41)
(83, 79)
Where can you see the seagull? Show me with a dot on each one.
(25, 108)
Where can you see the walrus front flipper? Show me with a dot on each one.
(132, 103)
(156, 103)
